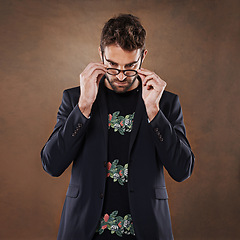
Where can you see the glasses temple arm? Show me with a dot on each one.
(102, 58)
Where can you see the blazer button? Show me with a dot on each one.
(79, 125)
(101, 195)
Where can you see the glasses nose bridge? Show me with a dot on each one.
(121, 74)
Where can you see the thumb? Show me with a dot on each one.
(141, 76)
(99, 77)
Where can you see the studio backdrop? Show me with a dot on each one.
(192, 45)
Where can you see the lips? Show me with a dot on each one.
(121, 83)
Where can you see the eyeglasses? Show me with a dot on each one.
(115, 71)
(128, 73)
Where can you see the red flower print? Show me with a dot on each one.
(106, 217)
(113, 223)
(110, 117)
(109, 165)
(120, 173)
(121, 123)
(104, 226)
(108, 174)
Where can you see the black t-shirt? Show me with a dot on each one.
(116, 221)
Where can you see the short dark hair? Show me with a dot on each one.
(125, 31)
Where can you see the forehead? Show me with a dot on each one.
(120, 56)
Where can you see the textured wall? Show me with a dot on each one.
(193, 46)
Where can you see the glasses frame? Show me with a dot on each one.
(123, 71)
(134, 72)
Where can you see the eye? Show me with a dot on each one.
(113, 64)
(130, 65)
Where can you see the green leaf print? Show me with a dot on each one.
(115, 114)
(119, 233)
(120, 124)
(118, 173)
(116, 224)
(114, 214)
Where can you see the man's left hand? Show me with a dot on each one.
(152, 90)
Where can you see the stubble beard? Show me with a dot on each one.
(120, 89)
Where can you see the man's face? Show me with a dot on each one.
(115, 57)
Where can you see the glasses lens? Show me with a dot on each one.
(130, 73)
(112, 71)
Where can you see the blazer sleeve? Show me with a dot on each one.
(64, 143)
(172, 146)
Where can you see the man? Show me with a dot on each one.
(119, 128)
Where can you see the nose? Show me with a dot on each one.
(121, 76)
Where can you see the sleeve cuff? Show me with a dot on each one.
(83, 119)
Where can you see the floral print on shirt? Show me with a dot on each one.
(117, 172)
(120, 124)
(116, 224)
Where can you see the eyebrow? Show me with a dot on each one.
(108, 60)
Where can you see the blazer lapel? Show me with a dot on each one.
(140, 113)
(102, 109)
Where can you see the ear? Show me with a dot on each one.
(144, 54)
(100, 53)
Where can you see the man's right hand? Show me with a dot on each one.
(89, 83)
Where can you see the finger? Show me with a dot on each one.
(97, 75)
(156, 78)
(141, 76)
(151, 84)
(147, 78)
(151, 88)
(92, 66)
(145, 71)
(156, 84)
(95, 64)
(91, 69)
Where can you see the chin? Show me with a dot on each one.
(120, 89)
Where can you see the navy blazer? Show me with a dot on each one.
(83, 142)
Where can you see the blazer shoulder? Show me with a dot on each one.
(73, 90)
(168, 96)
(72, 94)
(168, 100)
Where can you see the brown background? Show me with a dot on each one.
(193, 46)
